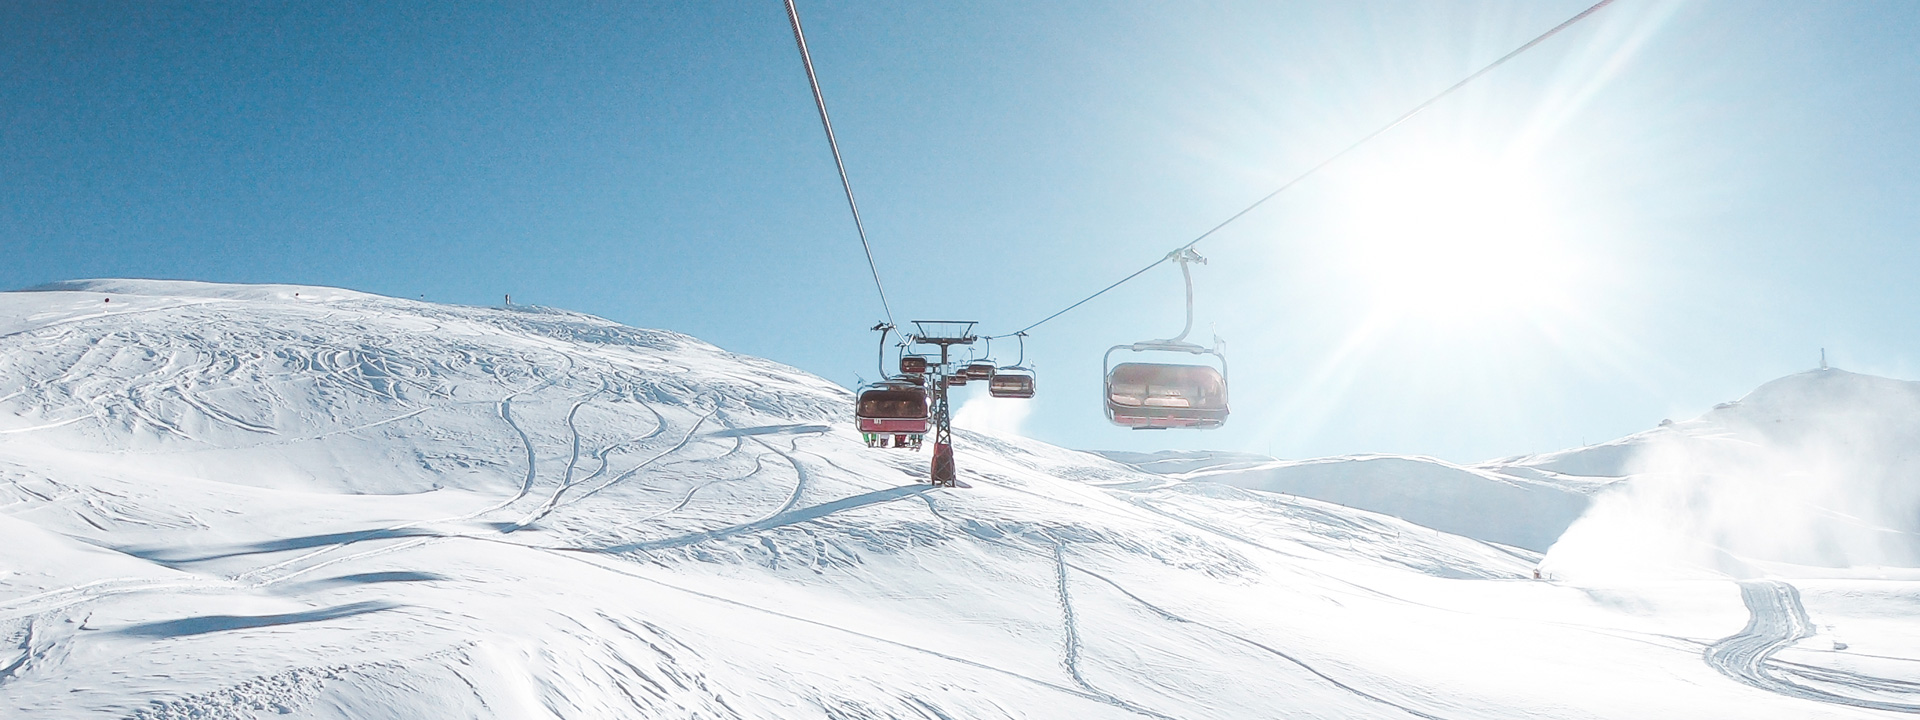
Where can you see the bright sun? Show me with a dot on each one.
(1455, 238)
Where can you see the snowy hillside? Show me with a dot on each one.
(272, 501)
(1515, 505)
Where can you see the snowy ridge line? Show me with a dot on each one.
(1175, 617)
(1777, 621)
(100, 316)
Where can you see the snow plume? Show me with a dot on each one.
(985, 413)
(1819, 469)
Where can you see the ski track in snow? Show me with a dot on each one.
(594, 559)
(532, 474)
(1059, 558)
(1070, 641)
(265, 575)
(566, 478)
(1777, 621)
(683, 443)
(758, 465)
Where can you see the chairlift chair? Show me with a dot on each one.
(1016, 380)
(1162, 395)
(1011, 382)
(1158, 396)
(893, 411)
(957, 379)
(982, 370)
(913, 365)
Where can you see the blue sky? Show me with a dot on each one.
(1653, 212)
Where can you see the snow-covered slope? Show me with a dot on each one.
(251, 501)
(1523, 509)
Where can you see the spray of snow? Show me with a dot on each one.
(1811, 471)
(985, 413)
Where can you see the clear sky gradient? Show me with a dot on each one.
(1655, 211)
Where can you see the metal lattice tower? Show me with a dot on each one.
(946, 334)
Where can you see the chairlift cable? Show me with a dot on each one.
(1335, 157)
(820, 101)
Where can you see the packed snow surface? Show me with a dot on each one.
(274, 501)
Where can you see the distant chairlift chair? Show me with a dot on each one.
(1014, 383)
(982, 370)
(1016, 380)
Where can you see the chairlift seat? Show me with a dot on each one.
(1011, 384)
(1147, 396)
(894, 409)
(979, 371)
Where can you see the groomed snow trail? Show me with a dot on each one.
(1777, 621)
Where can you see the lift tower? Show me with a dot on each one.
(946, 334)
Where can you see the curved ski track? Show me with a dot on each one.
(1777, 621)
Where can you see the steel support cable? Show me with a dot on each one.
(1408, 115)
(820, 101)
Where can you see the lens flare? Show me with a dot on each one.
(1454, 238)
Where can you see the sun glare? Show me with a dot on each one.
(1455, 238)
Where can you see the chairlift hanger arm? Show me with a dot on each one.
(884, 329)
(1022, 362)
(1186, 256)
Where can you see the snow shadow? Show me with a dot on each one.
(219, 623)
(179, 555)
(786, 518)
(771, 430)
(365, 579)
